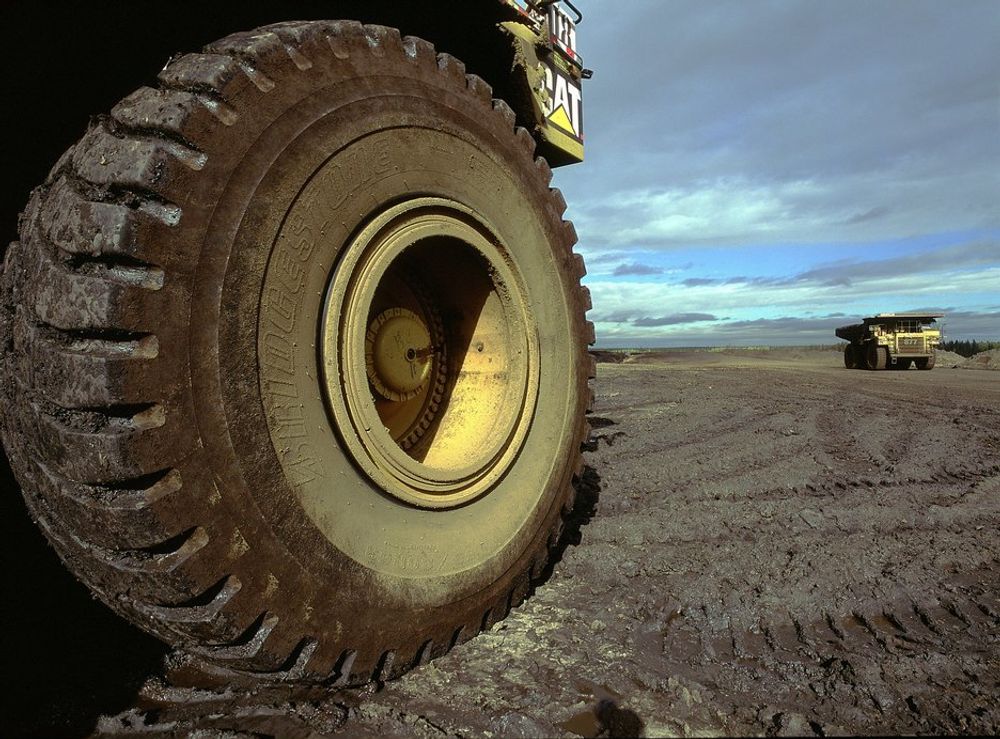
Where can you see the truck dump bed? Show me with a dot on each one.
(857, 331)
(854, 332)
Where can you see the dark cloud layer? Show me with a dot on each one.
(851, 118)
(699, 281)
(673, 320)
(636, 269)
(783, 90)
(959, 256)
(845, 272)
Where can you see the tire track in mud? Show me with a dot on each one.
(758, 563)
(881, 655)
(856, 659)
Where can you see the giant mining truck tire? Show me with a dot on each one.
(925, 363)
(294, 355)
(850, 357)
(876, 357)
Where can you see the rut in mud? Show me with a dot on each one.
(772, 545)
(780, 546)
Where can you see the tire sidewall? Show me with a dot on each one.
(321, 129)
(876, 356)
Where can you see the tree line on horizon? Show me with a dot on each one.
(968, 347)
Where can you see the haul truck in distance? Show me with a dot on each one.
(891, 341)
(293, 345)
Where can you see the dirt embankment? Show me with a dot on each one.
(948, 359)
(765, 544)
(984, 360)
(989, 360)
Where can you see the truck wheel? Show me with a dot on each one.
(876, 357)
(902, 364)
(850, 357)
(294, 355)
(925, 363)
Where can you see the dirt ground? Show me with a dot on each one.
(766, 543)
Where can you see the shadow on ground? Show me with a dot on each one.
(588, 493)
(66, 657)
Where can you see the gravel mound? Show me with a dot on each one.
(947, 359)
(604, 356)
(984, 360)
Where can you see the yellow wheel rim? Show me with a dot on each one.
(429, 354)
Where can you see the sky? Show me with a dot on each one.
(762, 172)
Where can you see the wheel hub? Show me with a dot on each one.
(398, 354)
(429, 352)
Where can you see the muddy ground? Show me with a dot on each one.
(767, 543)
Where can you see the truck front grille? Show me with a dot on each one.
(911, 346)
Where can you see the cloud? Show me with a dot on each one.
(787, 330)
(621, 316)
(783, 326)
(964, 256)
(733, 211)
(730, 122)
(699, 281)
(677, 318)
(636, 269)
(868, 215)
(731, 134)
(608, 256)
(749, 301)
(963, 325)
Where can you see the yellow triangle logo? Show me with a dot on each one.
(560, 118)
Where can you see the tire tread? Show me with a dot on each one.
(94, 280)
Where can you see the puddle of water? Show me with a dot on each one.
(586, 723)
(583, 724)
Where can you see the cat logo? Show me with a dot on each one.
(564, 108)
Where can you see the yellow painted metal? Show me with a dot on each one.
(432, 391)
(567, 144)
(552, 122)
(399, 354)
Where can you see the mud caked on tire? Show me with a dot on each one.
(294, 355)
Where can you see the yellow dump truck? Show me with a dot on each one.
(891, 341)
